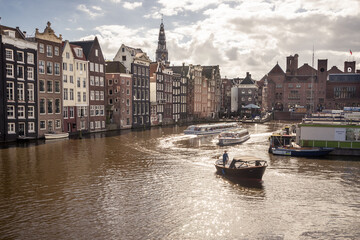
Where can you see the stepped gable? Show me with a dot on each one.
(276, 70)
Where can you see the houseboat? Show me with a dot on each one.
(233, 137)
(208, 129)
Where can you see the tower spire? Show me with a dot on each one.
(161, 51)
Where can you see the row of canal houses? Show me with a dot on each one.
(51, 85)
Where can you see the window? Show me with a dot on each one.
(67, 55)
(57, 123)
(298, 85)
(97, 95)
(41, 67)
(92, 66)
(78, 82)
(65, 112)
(21, 92)
(71, 112)
(30, 73)
(57, 86)
(50, 125)
(50, 105)
(101, 95)
(79, 96)
(65, 94)
(42, 125)
(71, 94)
(30, 92)
(84, 82)
(71, 79)
(10, 91)
(103, 124)
(31, 127)
(31, 112)
(10, 112)
(30, 58)
(57, 68)
(101, 68)
(9, 70)
(56, 51)
(41, 85)
(84, 96)
(42, 105)
(71, 67)
(20, 72)
(96, 67)
(41, 48)
(57, 105)
(96, 81)
(64, 78)
(21, 112)
(49, 86)
(92, 81)
(49, 52)
(9, 54)
(78, 52)
(92, 95)
(49, 68)
(102, 81)
(20, 57)
(65, 66)
(96, 52)
(124, 58)
(11, 127)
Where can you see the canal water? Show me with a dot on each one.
(161, 184)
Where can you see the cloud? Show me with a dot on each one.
(92, 13)
(131, 6)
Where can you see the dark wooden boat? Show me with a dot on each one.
(242, 167)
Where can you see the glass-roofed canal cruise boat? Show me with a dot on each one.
(213, 128)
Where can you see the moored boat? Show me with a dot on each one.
(242, 167)
(208, 129)
(233, 137)
(56, 135)
(301, 151)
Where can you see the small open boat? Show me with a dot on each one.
(208, 129)
(56, 135)
(233, 137)
(242, 167)
(301, 151)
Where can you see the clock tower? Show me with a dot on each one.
(161, 51)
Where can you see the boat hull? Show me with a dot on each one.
(255, 172)
(312, 152)
(230, 141)
(56, 135)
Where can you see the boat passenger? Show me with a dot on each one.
(225, 158)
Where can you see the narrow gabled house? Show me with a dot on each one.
(75, 89)
(18, 85)
(96, 83)
(183, 72)
(141, 90)
(49, 81)
(119, 96)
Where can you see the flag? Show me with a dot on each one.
(350, 52)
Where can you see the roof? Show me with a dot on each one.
(306, 69)
(153, 68)
(72, 46)
(334, 70)
(276, 70)
(247, 80)
(115, 67)
(86, 46)
(180, 69)
(18, 32)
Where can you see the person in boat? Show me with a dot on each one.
(225, 157)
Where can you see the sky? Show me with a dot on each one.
(239, 36)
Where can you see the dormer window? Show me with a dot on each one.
(79, 52)
(10, 33)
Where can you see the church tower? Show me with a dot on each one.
(161, 51)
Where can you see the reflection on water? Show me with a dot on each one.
(161, 184)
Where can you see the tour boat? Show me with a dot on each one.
(301, 151)
(233, 137)
(242, 167)
(56, 135)
(207, 129)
